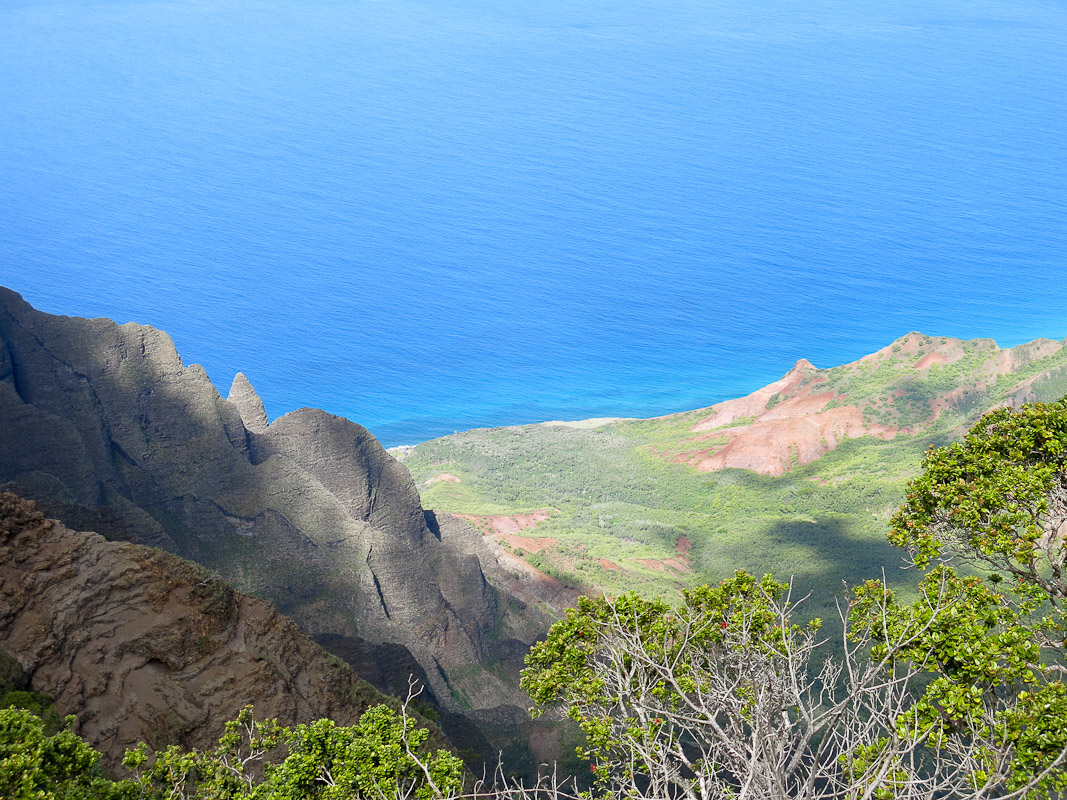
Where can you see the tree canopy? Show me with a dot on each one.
(381, 757)
(998, 501)
(37, 765)
(957, 694)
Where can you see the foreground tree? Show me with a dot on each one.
(382, 757)
(955, 695)
(725, 696)
(36, 765)
(998, 501)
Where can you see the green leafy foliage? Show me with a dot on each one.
(737, 612)
(382, 756)
(15, 692)
(37, 766)
(664, 693)
(984, 676)
(947, 696)
(371, 759)
(967, 672)
(998, 498)
(998, 501)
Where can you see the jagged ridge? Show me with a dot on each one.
(107, 429)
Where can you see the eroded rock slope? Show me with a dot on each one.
(107, 429)
(902, 389)
(144, 646)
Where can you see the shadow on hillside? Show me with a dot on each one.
(388, 668)
(820, 557)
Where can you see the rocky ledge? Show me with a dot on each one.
(144, 646)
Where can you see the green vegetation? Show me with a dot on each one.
(383, 756)
(725, 695)
(998, 499)
(617, 493)
(613, 498)
(15, 693)
(952, 690)
(38, 765)
(956, 693)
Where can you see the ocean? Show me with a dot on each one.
(434, 215)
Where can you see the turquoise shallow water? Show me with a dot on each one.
(434, 215)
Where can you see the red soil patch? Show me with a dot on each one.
(517, 522)
(505, 528)
(651, 563)
(950, 400)
(770, 447)
(930, 359)
(798, 407)
(756, 403)
(681, 563)
(509, 524)
(800, 428)
(610, 566)
(527, 543)
(444, 476)
(683, 544)
(1005, 362)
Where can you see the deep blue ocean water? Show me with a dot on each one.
(429, 216)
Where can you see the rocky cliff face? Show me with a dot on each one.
(107, 429)
(144, 646)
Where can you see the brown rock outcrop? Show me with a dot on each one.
(144, 646)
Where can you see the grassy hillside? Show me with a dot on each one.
(628, 508)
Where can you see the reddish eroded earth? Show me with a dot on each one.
(444, 476)
(509, 528)
(930, 359)
(771, 446)
(681, 563)
(796, 419)
(528, 543)
(797, 429)
(652, 563)
(756, 403)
